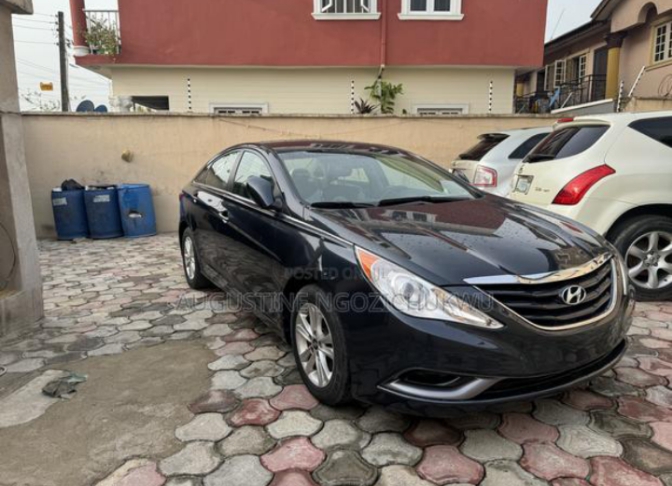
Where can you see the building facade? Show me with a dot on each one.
(314, 56)
(625, 51)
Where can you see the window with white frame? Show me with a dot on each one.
(431, 10)
(346, 9)
(559, 74)
(441, 110)
(662, 43)
(238, 109)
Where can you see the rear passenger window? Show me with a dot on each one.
(483, 147)
(659, 129)
(220, 171)
(522, 151)
(567, 142)
(250, 165)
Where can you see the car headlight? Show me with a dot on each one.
(416, 297)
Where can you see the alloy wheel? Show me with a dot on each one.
(189, 255)
(314, 344)
(649, 260)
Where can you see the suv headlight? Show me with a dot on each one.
(416, 297)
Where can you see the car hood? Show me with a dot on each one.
(449, 242)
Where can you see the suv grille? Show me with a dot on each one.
(541, 304)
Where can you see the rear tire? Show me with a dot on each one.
(646, 246)
(316, 334)
(191, 263)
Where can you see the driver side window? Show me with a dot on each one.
(250, 165)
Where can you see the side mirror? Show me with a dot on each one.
(261, 192)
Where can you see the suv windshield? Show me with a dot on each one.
(567, 142)
(484, 146)
(333, 178)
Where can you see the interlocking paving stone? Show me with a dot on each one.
(662, 434)
(254, 412)
(508, 473)
(570, 482)
(522, 428)
(290, 376)
(124, 337)
(136, 472)
(25, 365)
(618, 426)
(207, 426)
(262, 387)
(610, 471)
(642, 410)
(377, 419)
(639, 378)
(292, 478)
(646, 456)
(227, 380)
(241, 335)
(432, 432)
(229, 362)
(586, 401)
(297, 453)
(582, 441)
(159, 331)
(340, 434)
(548, 462)
(214, 401)
(552, 412)
(487, 445)
(400, 476)
(660, 395)
(195, 459)
(386, 449)
(294, 397)
(480, 420)
(135, 326)
(262, 368)
(345, 468)
(656, 366)
(86, 344)
(217, 330)
(246, 440)
(265, 353)
(108, 350)
(294, 423)
(325, 412)
(445, 465)
(239, 471)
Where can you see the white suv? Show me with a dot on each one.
(612, 173)
(490, 164)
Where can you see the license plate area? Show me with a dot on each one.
(523, 184)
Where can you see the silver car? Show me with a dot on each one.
(490, 164)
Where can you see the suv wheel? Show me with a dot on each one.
(319, 347)
(646, 246)
(190, 260)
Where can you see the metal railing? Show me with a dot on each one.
(103, 30)
(572, 93)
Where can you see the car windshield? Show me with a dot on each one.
(333, 178)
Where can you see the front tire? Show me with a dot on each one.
(319, 347)
(646, 246)
(191, 263)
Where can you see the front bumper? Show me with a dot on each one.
(518, 362)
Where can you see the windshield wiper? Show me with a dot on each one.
(341, 205)
(432, 199)
(540, 157)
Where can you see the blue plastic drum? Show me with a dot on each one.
(69, 214)
(137, 210)
(102, 211)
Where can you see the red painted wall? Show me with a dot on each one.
(284, 33)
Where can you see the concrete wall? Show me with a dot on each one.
(315, 90)
(169, 149)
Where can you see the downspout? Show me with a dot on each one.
(383, 39)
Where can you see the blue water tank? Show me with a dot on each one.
(102, 211)
(69, 214)
(137, 210)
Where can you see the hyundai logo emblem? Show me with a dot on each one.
(573, 295)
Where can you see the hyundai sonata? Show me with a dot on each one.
(397, 283)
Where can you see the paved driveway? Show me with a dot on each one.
(256, 424)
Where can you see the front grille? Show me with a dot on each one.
(542, 305)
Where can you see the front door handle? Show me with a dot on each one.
(223, 215)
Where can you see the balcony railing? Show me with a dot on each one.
(103, 31)
(572, 93)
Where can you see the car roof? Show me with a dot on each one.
(622, 117)
(524, 131)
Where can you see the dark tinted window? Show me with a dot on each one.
(522, 151)
(567, 142)
(485, 145)
(659, 129)
(220, 171)
(250, 165)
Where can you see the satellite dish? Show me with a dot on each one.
(101, 109)
(86, 106)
